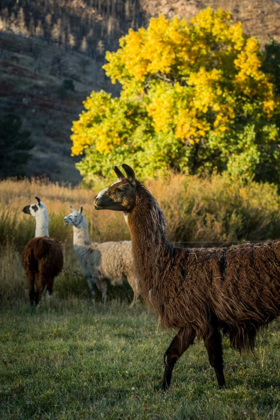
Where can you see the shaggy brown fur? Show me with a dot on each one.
(201, 292)
(42, 259)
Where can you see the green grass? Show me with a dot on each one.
(73, 359)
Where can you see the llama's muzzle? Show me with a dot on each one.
(103, 202)
(100, 203)
(26, 209)
(95, 203)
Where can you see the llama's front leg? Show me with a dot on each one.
(178, 346)
(102, 287)
(90, 282)
(215, 353)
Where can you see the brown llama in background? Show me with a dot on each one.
(201, 292)
(42, 257)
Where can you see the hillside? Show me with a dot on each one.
(45, 43)
(32, 73)
(260, 18)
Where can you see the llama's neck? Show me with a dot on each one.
(80, 234)
(149, 243)
(42, 224)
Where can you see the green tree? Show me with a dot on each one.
(66, 86)
(271, 63)
(194, 98)
(15, 145)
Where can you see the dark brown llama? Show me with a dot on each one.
(42, 257)
(200, 292)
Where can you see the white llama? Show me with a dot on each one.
(102, 261)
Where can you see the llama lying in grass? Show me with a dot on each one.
(101, 262)
(200, 292)
(42, 257)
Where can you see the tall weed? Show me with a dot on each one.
(199, 212)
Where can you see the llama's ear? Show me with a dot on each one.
(129, 172)
(119, 174)
(39, 201)
(72, 208)
(81, 209)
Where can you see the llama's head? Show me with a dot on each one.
(75, 218)
(36, 210)
(121, 195)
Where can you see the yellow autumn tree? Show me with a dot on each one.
(193, 98)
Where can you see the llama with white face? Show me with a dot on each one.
(100, 262)
(39, 211)
(42, 257)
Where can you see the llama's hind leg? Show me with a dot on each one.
(49, 288)
(178, 346)
(103, 290)
(39, 287)
(214, 348)
(135, 287)
(135, 297)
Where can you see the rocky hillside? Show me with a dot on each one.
(260, 18)
(45, 42)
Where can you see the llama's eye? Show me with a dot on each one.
(118, 190)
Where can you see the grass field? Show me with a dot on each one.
(77, 360)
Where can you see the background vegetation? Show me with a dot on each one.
(196, 97)
(199, 212)
(15, 145)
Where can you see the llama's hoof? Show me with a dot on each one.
(165, 386)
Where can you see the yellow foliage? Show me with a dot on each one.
(166, 47)
(182, 83)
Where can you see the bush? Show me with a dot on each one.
(15, 146)
(66, 86)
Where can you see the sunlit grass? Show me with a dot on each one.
(18, 228)
(198, 211)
